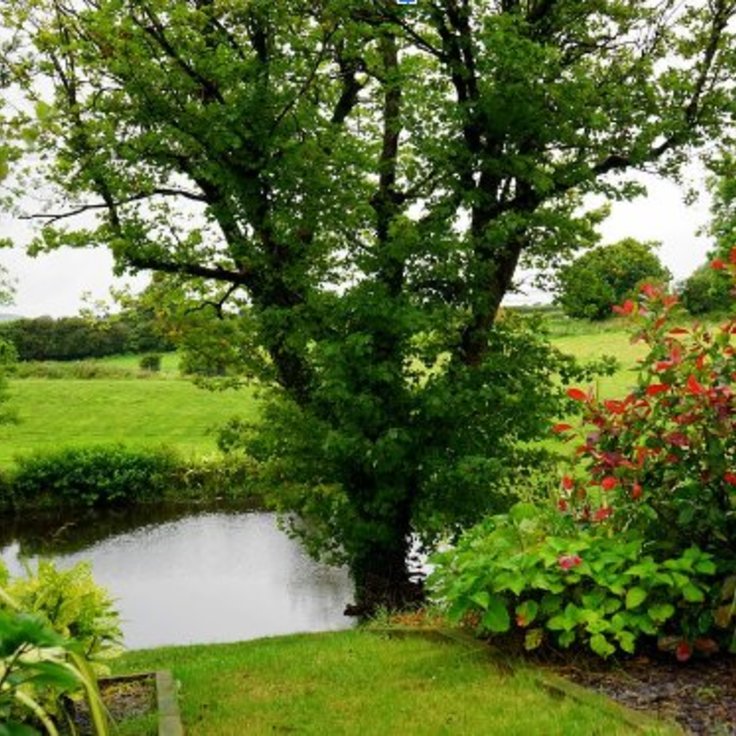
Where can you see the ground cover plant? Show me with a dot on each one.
(356, 682)
(639, 544)
(367, 174)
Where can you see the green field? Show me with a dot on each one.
(362, 683)
(165, 409)
(137, 412)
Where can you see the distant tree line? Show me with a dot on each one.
(77, 338)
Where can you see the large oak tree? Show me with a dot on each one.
(365, 178)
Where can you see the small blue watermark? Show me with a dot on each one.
(406, 2)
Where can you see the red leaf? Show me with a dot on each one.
(615, 407)
(732, 255)
(603, 513)
(636, 491)
(700, 362)
(649, 290)
(558, 428)
(568, 483)
(693, 386)
(683, 652)
(609, 483)
(626, 308)
(567, 562)
(730, 478)
(657, 388)
(562, 505)
(679, 331)
(678, 439)
(670, 300)
(577, 395)
(718, 264)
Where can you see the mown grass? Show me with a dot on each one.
(356, 682)
(137, 413)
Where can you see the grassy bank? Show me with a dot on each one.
(356, 682)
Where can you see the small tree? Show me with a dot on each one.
(590, 286)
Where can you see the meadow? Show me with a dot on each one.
(120, 404)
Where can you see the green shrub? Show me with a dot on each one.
(92, 476)
(602, 592)
(54, 629)
(150, 363)
(73, 605)
(662, 460)
(642, 539)
(229, 476)
(588, 287)
(706, 290)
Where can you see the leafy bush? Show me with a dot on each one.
(230, 476)
(150, 362)
(662, 460)
(43, 665)
(74, 605)
(643, 538)
(706, 290)
(92, 476)
(589, 286)
(578, 587)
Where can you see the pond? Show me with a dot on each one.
(183, 577)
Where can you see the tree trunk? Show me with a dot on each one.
(382, 578)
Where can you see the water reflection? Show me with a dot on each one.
(208, 577)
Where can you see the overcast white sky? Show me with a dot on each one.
(53, 284)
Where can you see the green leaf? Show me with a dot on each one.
(496, 618)
(527, 611)
(635, 597)
(17, 729)
(705, 567)
(601, 646)
(692, 594)
(566, 638)
(660, 612)
(627, 641)
(533, 639)
(482, 598)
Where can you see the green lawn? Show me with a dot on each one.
(137, 412)
(595, 344)
(360, 683)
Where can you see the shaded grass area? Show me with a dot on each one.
(137, 413)
(355, 682)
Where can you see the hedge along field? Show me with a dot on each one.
(167, 410)
(136, 412)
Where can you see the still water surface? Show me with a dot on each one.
(204, 577)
